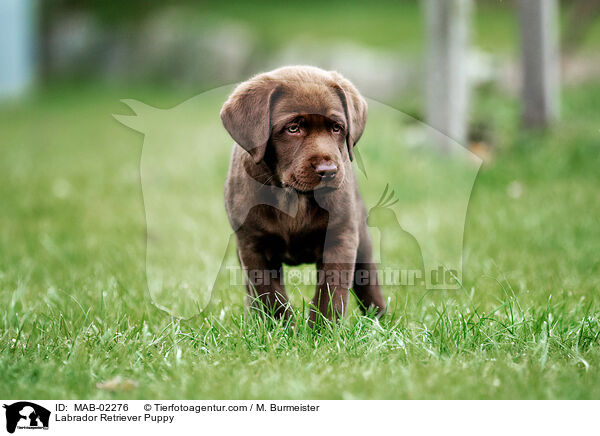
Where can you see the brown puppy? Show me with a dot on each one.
(291, 194)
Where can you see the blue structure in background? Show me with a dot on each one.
(17, 63)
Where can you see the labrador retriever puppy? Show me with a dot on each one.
(291, 194)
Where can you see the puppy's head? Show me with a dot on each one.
(303, 122)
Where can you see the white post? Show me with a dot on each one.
(17, 23)
(447, 85)
(540, 61)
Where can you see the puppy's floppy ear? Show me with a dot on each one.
(356, 110)
(247, 115)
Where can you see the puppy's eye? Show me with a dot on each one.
(337, 128)
(293, 128)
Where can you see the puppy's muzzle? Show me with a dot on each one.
(326, 170)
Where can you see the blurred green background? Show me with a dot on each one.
(73, 230)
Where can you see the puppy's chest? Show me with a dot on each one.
(308, 218)
(297, 239)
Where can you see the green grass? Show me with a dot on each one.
(76, 310)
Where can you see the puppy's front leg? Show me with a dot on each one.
(335, 274)
(264, 282)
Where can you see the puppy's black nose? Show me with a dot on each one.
(326, 170)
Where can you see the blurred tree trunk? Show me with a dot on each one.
(447, 84)
(17, 47)
(540, 61)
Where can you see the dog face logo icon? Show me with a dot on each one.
(26, 415)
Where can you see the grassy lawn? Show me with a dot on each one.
(76, 310)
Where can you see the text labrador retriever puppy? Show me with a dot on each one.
(291, 194)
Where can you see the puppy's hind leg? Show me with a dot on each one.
(366, 284)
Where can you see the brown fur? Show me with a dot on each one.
(291, 194)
